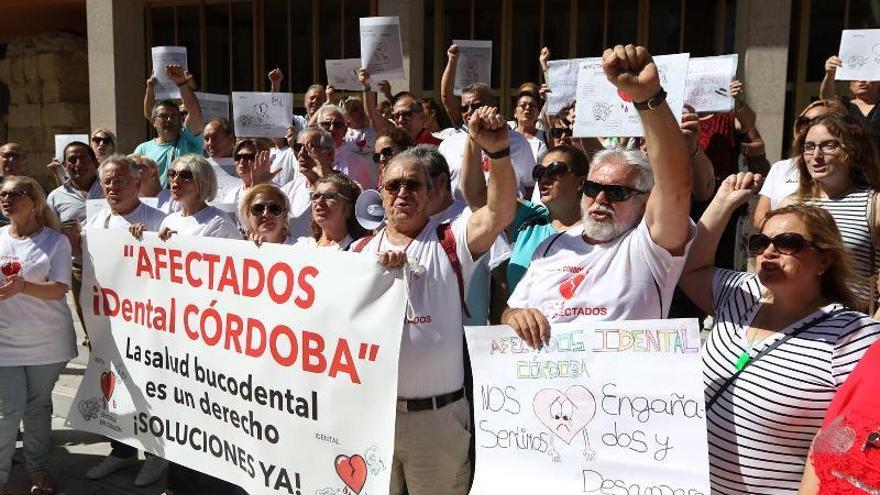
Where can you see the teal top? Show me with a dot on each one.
(529, 229)
(164, 154)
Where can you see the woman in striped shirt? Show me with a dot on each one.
(838, 162)
(783, 340)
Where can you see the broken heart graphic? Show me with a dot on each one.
(261, 109)
(565, 414)
(568, 288)
(11, 268)
(352, 471)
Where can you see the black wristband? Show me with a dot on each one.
(498, 154)
(652, 102)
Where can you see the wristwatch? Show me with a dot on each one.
(652, 102)
(498, 154)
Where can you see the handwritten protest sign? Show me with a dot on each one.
(243, 362)
(342, 73)
(474, 63)
(261, 114)
(162, 56)
(562, 77)
(213, 106)
(381, 49)
(708, 83)
(860, 54)
(604, 111)
(605, 407)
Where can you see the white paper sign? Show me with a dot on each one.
(606, 407)
(162, 56)
(213, 106)
(708, 83)
(860, 54)
(243, 363)
(474, 63)
(62, 140)
(261, 114)
(562, 76)
(603, 111)
(381, 49)
(342, 73)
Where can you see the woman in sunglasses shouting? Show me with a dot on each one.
(783, 340)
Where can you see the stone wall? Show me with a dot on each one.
(48, 80)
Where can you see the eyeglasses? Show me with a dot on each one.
(830, 146)
(405, 114)
(117, 181)
(472, 107)
(613, 192)
(327, 196)
(528, 105)
(558, 132)
(12, 155)
(182, 175)
(166, 116)
(551, 171)
(245, 157)
(274, 209)
(297, 147)
(387, 152)
(14, 194)
(101, 140)
(332, 124)
(393, 186)
(786, 243)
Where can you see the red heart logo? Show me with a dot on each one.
(623, 96)
(11, 268)
(567, 288)
(352, 471)
(108, 383)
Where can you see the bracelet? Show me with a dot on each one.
(495, 155)
(652, 102)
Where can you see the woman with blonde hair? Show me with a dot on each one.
(37, 338)
(262, 214)
(103, 142)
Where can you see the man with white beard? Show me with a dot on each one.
(625, 262)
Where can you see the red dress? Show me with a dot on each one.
(844, 463)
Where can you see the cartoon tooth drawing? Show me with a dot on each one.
(566, 414)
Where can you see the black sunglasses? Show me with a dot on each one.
(98, 140)
(558, 132)
(274, 209)
(183, 175)
(394, 185)
(327, 196)
(387, 152)
(472, 107)
(332, 124)
(785, 243)
(14, 194)
(614, 192)
(551, 171)
(248, 157)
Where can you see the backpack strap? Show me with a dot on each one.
(362, 243)
(447, 241)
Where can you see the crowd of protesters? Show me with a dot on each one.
(513, 220)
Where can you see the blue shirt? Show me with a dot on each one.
(529, 229)
(164, 154)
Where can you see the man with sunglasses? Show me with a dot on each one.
(626, 260)
(432, 426)
(360, 168)
(314, 151)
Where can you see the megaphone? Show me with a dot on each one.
(368, 209)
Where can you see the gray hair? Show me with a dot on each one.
(423, 155)
(203, 175)
(433, 160)
(631, 158)
(163, 103)
(315, 87)
(326, 138)
(224, 124)
(329, 107)
(481, 89)
(118, 160)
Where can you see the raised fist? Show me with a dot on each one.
(631, 69)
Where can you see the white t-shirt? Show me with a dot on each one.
(361, 141)
(629, 278)
(147, 215)
(361, 169)
(431, 358)
(452, 148)
(299, 194)
(285, 162)
(227, 178)
(781, 182)
(311, 243)
(234, 195)
(36, 331)
(165, 203)
(208, 222)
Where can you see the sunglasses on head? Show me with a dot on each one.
(327, 196)
(558, 132)
(183, 175)
(472, 107)
(551, 171)
(247, 157)
(785, 243)
(613, 192)
(274, 209)
(387, 152)
(394, 185)
(14, 194)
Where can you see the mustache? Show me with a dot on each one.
(597, 208)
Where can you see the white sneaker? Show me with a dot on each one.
(151, 472)
(110, 465)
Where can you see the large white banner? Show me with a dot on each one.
(244, 362)
(602, 110)
(605, 407)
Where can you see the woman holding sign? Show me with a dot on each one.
(783, 341)
(36, 327)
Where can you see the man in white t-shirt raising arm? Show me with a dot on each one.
(432, 433)
(626, 260)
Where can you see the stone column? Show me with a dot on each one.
(412, 32)
(762, 30)
(116, 69)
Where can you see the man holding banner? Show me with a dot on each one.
(625, 262)
(432, 433)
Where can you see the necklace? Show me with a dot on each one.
(746, 356)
